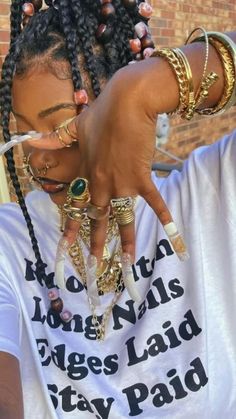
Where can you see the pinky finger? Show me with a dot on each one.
(157, 203)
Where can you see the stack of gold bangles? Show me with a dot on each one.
(189, 101)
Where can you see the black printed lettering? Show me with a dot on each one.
(165, 245)
(135, 395)
(120, 312)
(103, 406)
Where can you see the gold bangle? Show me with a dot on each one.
(229, 44)
(206, 56)
(229, 80)
(189, 111)
(178, 69)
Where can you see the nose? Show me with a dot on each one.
(42, 159)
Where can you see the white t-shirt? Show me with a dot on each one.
(172, 356)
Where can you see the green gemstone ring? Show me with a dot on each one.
(78, 191)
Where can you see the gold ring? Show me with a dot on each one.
(97, 213)
(65, 126)
(123, 209)
(61, 139)
(78, 191)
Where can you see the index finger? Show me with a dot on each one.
(63, 136)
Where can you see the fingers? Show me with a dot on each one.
(127, 235)
(63, 136)
(155, 200)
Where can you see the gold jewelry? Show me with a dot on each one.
(97, 213)
(123, 209)
(76, 214)
(61, 139)
(109, 273)
(189, 111)
(228, 96)
(65, 126)
(206, 58)
(180, 75)
(78, 191)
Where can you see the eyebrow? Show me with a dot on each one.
(52, 109)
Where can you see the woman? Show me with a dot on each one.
(161, 353)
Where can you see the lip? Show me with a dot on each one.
(52, 185)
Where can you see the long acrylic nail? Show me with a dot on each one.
(176, 241)
(92, 289)
(18, 139)
(62, 248)
(128, 277)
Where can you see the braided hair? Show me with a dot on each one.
(62, 32)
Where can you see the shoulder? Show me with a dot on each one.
(12, 221)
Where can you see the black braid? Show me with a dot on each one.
(7, 73)
(16, 19)
(70, 37)
(86, 45)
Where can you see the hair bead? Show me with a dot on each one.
(28, 9)
(135, 45)
(147, 42)
(147, 52)
(66, 316)
(81, 97)
(104, 33)
(57, 305)
(141, 29)
(145, 10)
(129, 4)
(53, 294)
(107, 12)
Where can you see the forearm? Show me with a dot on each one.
(157, 85)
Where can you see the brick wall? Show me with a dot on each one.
(171, 23)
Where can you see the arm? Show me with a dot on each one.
(11, 400)
(117, 132)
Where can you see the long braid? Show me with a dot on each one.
(7, 75)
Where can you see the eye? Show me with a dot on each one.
(20, 133)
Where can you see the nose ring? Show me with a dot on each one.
(28, 167)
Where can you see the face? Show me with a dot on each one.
(41, 102)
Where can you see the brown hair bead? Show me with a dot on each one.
(104, 33)
(147, 42)
(37, 4)
(135, 45)
(57, 305)
(107, 11)
(129, 4)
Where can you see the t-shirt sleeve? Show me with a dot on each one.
(9, 313)
(213, 173)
